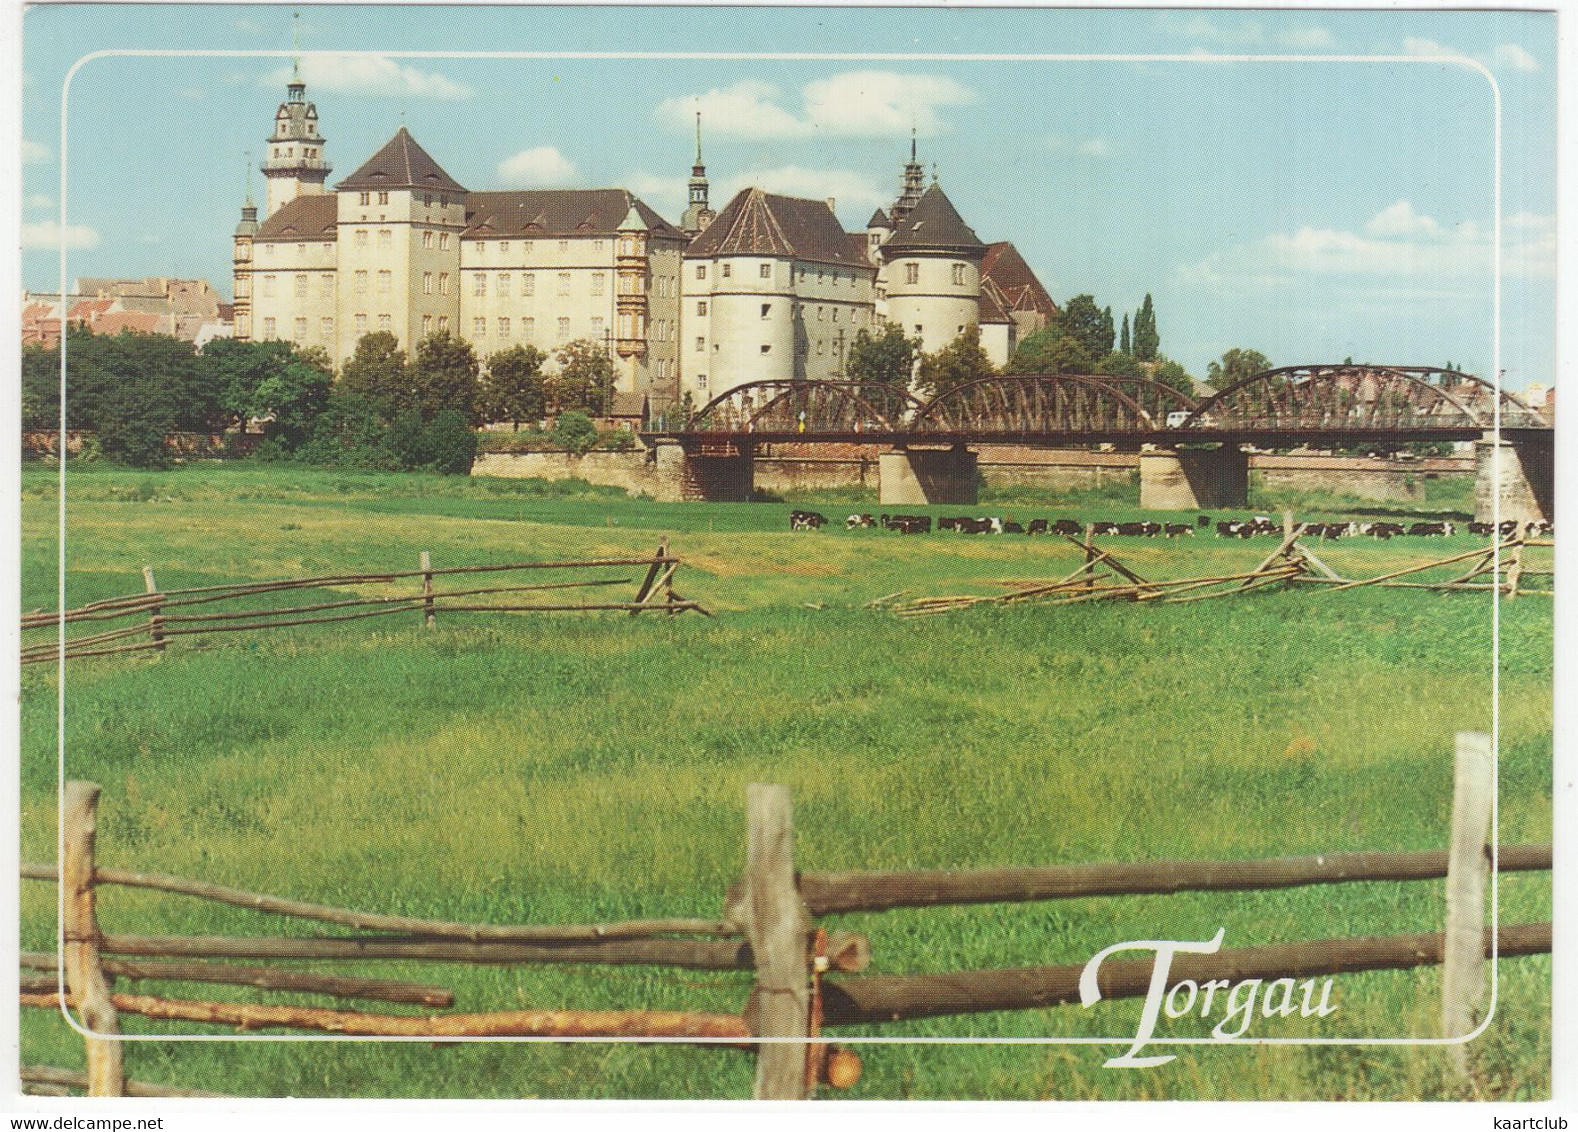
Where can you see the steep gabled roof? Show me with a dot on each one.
(879, 219)
(559, 212)
(1005, 270)
(934, 225)
(761, 223)
(305, 218)
(402, 164)
(992, 308)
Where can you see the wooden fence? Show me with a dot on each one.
(768, 927)
(1501, 565)
(153, 625)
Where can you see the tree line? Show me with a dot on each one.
(386, 411)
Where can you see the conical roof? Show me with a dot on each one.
(879, 219)
(765, 224)
(402, 164)
(934, 224)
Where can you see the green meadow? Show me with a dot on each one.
(580, 767)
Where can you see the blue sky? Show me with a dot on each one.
(1311, 210)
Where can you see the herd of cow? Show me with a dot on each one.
(1225, 528)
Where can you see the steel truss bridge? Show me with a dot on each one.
(1324, 405)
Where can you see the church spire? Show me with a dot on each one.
(914, 184)
(698, 214)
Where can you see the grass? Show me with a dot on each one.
(577, 768)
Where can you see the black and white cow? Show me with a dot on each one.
(806, 520)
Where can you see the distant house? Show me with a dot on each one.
(628, 412)
(188, 309)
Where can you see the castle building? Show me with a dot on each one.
(770, 288)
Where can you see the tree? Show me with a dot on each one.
(1236, 365)
(290, 400)
(886, 358)
(1084, 322)
(1123, 342)
(574, 432)
(959, 361)
(1119, 364)
(40, 388)
(443, 375)
(377, 371)
(1146, 340)
(236, 371)
(513, 389)
(1169, 372)
(585, 381)
(1050, 350)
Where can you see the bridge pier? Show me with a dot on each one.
(912, 477)
(685, 476)
(1520, 470)
(1194, 479)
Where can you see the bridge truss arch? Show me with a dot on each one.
(1061, 403)
(807, 407)
(1366, 399)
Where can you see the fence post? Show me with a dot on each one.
(85, 981)
(775, 927)
(1090, 556)
(155, 622)
(429, 613)
(1463, 964)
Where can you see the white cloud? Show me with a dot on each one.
(1240, 33)
(855, 104)
(48, 234)
(33, 153)
(1397, 243)
(1510, 55)
(1305, 37)
(1094, 147)
(1506, 56)
(846, 186)
(38, 200)
(372, 75)
(542, 167)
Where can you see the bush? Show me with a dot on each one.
(447, 444)
(575, 432)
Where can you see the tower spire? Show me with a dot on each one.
(699, 213)
(914, 184)
(295, 47)
(698, 137)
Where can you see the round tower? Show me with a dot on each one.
(932, 272)
(241, 266)
(752, 321)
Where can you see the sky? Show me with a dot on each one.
(1311, 209)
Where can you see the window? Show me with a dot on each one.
(597, 328)
(564, 329)
(701, 309)
(597, 246)
(361, 325)
(301, 329)
(361, 282)
(528, 328)
(360, 239)
(301, 250)
(728, 269)
(766, 271)
(326, 286)
(383, 323)
(701, 381)
(385, 239)
(479, 328)
(268, 329)
(528, 285)
(443, 282)
(301, 285)
(328, 249)
(504, 247)
(958, 275)
(564, 282)
(504, 286)
(427, 282)
(598, 282)
(443, 241)
(427, 325)
(385, 281)
(819, 344)
(766, 349)
(427, 200)
(504, 328)
(701, 345)
(766, 309)
(427, 238)
(821, 276)
(443, 324)
(268, 286)
(479, 285)
(835, 314)
(701, 271)
(821, 314)
(326, 327)
(912, 273)
(365, 198)
(383, 198)
(627, 326)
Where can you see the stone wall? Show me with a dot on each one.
(635, 472)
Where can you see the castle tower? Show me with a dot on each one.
(932, 272)
(698, 215)
(914, 183)
(295, 166)
(241, 263)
